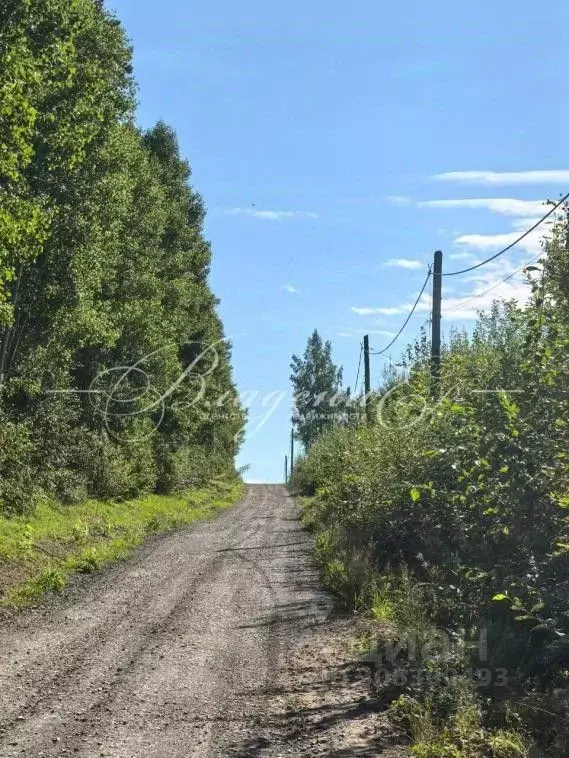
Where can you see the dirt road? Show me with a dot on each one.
(176, 653)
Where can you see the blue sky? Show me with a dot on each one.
(336, 147)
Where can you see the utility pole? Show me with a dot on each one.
(286, 470)
(367, 379)
(436, 324)
(291, 452)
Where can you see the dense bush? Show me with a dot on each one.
(468, 492)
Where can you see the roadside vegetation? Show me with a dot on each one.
(445, 522)
(39, 552)
(104, 293)
(112, 354)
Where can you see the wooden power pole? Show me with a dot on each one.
(291, 452)
(367, 379)
(436, 323)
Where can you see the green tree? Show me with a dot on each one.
(318, 399)
(103, 264)
(65, 77)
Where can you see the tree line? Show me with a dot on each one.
(104, 294)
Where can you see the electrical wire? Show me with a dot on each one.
(463, 305)
(359, 367)
(466, 270)
(394, 340)
(415, 339)
(512, 244)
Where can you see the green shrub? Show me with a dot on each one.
(450, 513)
(17, 473)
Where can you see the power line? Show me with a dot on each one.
(415, 339)
(466, 270)
(463, 305)
(359, 367)
(385, 349)
(512, 244)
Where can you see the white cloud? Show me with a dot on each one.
(526, 214)
(522, 224)
(557, 176)
(403, 263)
(482, 296)
(270, 215)
(477, 292)
(505, 205)
(490, 242)
(460, 256)
(291, 289)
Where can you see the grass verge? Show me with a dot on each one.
(40, 551)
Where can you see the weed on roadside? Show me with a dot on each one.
(56, 542)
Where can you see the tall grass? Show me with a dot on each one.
(39, 552)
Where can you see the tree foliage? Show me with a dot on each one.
(317, 396)
(469, 494)
(103, 265)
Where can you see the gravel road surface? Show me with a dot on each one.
(175, 653)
